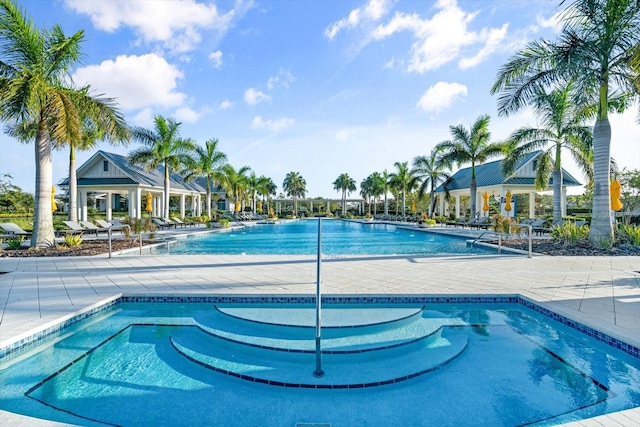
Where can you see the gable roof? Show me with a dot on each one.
(136, 174)
(489, 174)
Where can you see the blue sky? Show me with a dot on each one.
(320, 87)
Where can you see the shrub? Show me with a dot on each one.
(72, 240)
(570, 233)
(224, 222)
(630, 233)
(502, 224)
(14, 243)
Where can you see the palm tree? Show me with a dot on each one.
(386, 187)
(562, 126)
(430, 173)
(266, 188)
(403, 181)
(35, 89)
(207, 162)
(372, 186)
(234, 183)
(594, 49)
(470, 146)
(162, 146)
(345, 184)
(294, 186)
(366, 189)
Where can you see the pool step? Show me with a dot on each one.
(295, 369)
(343, 340)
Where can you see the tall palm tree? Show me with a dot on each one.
(386, 187)
(235, 183)
(470, 146)
(366, 190)
(403, 181)
(345, 184)
(562, 127)
(206, 162)
(294, 185)
(266, 188)
(372, 186)
(430, 172)
(594, 49)
(35, 89)
(162, 146)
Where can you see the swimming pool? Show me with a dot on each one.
(387, 361)
(338, 238)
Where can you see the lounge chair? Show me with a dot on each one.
(182, 223)
(162, 223)
(14, 229)
(92, 227)
(482, 223)
(74, 228)
(114, 225)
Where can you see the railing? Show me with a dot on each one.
(529, 232)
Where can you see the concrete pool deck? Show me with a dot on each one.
(600, 292)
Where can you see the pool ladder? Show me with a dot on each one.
(529, 234)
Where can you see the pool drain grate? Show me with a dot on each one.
(313, 425)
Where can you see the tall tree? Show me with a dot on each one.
(595, 50)
(206, 162)
(35, 89)
(403, 181)
(386, 187)
(470, 146)
(235, 183)
(345, 184)
(562, 128)
(294, 185)
(430, 172)
(266, 188)
(162, 147)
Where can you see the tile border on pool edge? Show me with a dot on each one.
(30, 339)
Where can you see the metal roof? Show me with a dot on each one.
(137, 175)
(489, 174)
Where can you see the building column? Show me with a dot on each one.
(457, 206)
(328, 206)
(532, 205)
(182, 200)
(109, 205)
(137, 205)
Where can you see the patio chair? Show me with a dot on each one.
(92, 227)
(180, 222)
(14, 229)
(162, 223)
(74, 228)
(114, 225)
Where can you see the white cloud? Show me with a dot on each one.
(345, 134)
(283, 78)
(272, 125)
(216, 58)
(372, 12)
(254, 96)
(441, 96)
(226, 104)
(440, 39)
(554, 22)
(176, 24)
(187, 115)
(135, 81)
(494, 38)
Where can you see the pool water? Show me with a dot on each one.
(338, 238)
(178, 364)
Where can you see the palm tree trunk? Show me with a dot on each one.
(473, 188)
(208, 201)
(386, 206)
(601, 229)
(43, 232)
(73, 185)
(404, 209)
(432, 202)
(166, 192)
(557, 196)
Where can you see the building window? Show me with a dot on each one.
(105, 166)
(535, 165)
(222, 205)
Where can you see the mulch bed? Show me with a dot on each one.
(557, 248)
(86, 248)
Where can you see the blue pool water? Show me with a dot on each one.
(338, 238)
(175, 364)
